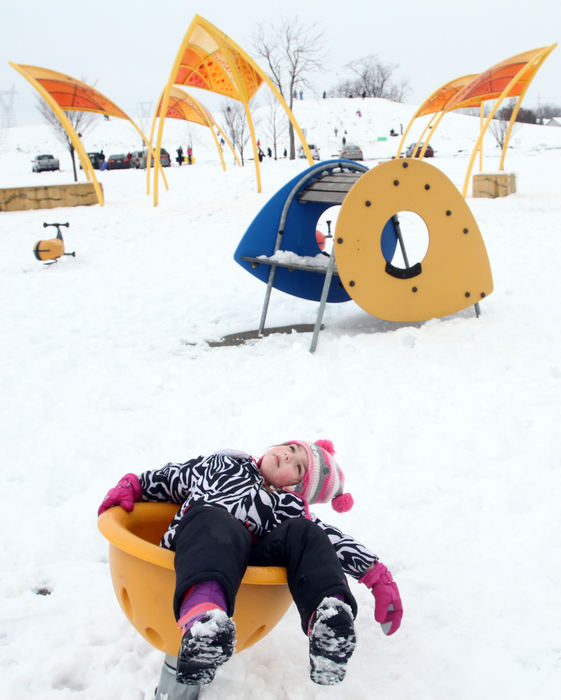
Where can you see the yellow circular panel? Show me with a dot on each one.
(455, 271)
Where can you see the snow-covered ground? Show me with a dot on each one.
(448, 431)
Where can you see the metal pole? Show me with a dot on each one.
(323, 300)
(400, 239)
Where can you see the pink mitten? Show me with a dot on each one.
(125, 494)
(388, 611)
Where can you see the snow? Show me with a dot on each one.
(447, 431)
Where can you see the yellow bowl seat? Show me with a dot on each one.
(144, 580)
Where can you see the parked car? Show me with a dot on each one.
(139, 158)
(96, 159)
(44, 162)
(429, 153)
(314, 150)
(351, 152)
(118, 161)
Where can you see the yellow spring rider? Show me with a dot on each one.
(144, 581)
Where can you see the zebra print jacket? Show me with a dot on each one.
(231, 480)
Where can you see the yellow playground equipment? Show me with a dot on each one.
(49, 250)
(144, 581)
(370, 262)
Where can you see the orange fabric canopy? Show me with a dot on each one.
(205, 65)
(183, 106)
(491, 84)
(73, 95)
(441, 97)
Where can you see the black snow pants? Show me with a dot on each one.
(212, 545)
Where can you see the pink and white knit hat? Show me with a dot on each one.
(324, 480)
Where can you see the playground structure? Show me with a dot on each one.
(184, 106)
(50, 250)
(143, 577)
(510, 78)
(280, 246)
(210, 60)
(63, 93)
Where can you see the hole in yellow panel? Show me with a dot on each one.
(415, 237)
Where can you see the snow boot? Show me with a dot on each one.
(332, 641)
(205, 645)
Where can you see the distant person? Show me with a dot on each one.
(301, 95)
(260, 155)
(324, 94)
(393, 132)
(284, 153)
(363, 94)
(344, 140)
(190, 155)
(179, 158)
(269, 153)
(335, 131)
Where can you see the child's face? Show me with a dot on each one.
(284, 465)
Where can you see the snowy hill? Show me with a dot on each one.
(447, 431)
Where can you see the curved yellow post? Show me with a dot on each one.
(433, 129)
(240, 85)
(218, 149)
(420, 139)
(149, 161)
(229, 144)
(510, 127)
(164, 102)
(72, 135)
(528, 72)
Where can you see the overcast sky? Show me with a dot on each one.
(127, 47)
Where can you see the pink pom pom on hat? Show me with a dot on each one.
(324, 480)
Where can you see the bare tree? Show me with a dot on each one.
(82, 123)
(237, 127)
(272, 127)
(373, 79)
(499, 124)
(291, 51)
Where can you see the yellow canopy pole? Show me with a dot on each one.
(149, 164)
(229, 144)
(481, 118)
(204, 115)
(244, 98)
(150, 155)
(407, 128)
(163, 108)
(509, 129)
(72, 135)
(433, 129)
(218, 148)
(517, 108)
